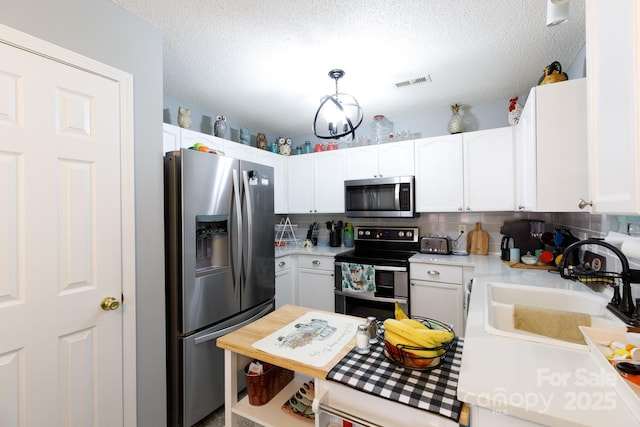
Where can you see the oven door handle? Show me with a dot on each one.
(379, 267)
(370, 297)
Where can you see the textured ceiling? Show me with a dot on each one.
(265, 63)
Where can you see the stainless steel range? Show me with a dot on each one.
(372, 277)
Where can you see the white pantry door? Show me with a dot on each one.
(61, 354)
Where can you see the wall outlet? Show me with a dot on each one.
(462, 228)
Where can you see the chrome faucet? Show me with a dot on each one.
(623, 307)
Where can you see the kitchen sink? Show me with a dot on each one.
(501, 298)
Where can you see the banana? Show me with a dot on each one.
(409, 332)
(414, 323)
(399, 314)
(438, 336)
(400, 342)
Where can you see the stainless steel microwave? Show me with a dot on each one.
(392, 197)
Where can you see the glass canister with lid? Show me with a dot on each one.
(382, 129)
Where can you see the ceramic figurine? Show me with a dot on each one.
(515, 110)
(244, 136)
(455, 122)
(220, 126)
(261, 141)
(552, 74)
(284, 146)
(184, 118)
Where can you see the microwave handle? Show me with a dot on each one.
(397, 196)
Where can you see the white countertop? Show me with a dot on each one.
(538, 382)
(541, 383)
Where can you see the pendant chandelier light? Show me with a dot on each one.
(338, 115)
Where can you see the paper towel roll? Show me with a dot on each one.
(617, 239)
(631, 247)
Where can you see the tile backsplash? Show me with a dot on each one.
(582, 225)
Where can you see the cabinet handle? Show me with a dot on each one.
(315, 262)
(468, 208)
(582, 203)
(281, 264)
(521, 207)
(459, 208)
(433, 273)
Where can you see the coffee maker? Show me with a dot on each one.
(524, 234)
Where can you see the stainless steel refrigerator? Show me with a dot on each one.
(219, 234)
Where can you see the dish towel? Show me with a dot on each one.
(358, 277)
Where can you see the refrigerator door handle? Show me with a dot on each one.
(221, 332)
(237, 254)
(248, 242)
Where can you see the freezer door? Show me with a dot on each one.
(203, 368)
(201, 286)
(258, 219)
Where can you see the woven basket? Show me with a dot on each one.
(262, 388)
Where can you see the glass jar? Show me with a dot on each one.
(382, 129)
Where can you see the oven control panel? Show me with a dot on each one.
(387, 234)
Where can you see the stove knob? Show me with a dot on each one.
(409, 234)
(400, 233)
(366, 233)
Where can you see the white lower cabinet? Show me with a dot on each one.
(315, 282)
(285, 284)
(436, 292)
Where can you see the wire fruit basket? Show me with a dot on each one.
(403, 354)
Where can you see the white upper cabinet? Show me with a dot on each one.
(170, 138)
(316, 182)
(551, 148)
(439, 174)
(189, 137)
(471, 171)
(378, 161)
(613, 114)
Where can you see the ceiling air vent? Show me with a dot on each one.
(418, 80)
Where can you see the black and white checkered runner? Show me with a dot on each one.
(433, 391)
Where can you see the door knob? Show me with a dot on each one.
(109, 304)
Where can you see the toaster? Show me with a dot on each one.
(435, 245)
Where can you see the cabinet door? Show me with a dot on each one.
(280, 167)
(170, 137)
(488, 166)
(441, 301)
(525, 153)
(613, 45)
(439, 172)
(396, 159)
(284, 282)
(315, 289)
(300, 184)
(561, 146)
(329, 181)
(362, 162)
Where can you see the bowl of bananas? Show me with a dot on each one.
(417, 342)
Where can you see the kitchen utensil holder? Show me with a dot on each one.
(261, 388)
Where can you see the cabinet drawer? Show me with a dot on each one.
(284, 263)
(436, 272)
(316, 262)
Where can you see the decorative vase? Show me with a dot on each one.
(244, 136)
(220, 126)
(455, 122)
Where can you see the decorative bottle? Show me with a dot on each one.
(455, 122)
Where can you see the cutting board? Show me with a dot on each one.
(478, 241)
